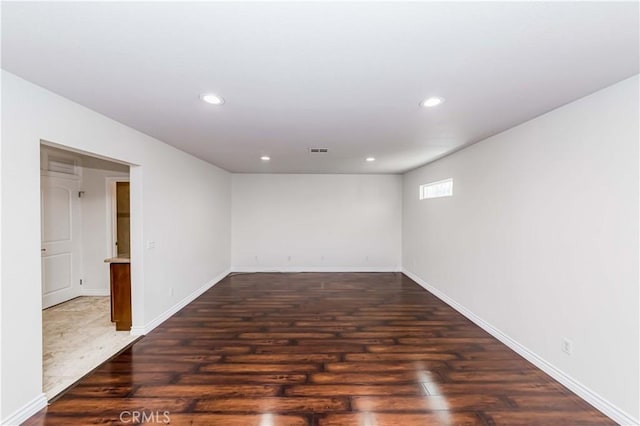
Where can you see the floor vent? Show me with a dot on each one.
(318, 150)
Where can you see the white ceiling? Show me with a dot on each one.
(343, 76)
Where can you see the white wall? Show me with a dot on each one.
(540, 238)
(96, 221)
(178, 201)
(316, 222)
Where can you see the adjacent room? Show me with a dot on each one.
(320, 213)
(85, 240)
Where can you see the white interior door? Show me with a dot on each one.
(60, 240)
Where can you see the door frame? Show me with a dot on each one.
(136, 172)
(112, 213)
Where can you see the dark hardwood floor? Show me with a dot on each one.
(318, 349)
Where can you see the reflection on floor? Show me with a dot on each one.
(78, 335)
(322, 349)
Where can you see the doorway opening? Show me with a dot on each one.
(119, 262)
(121, 214)
(79, 218)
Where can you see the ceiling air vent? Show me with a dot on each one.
(67, 166)
(318, 150)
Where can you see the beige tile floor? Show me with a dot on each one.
(78, 335)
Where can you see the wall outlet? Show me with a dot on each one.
(566, 346)
(289, 258)
(171, 291)
(151, 245)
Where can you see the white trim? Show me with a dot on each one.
(600, 403)
(94, 292)
(316, 269)
(142, 330)
(27, 410)
(137, 330)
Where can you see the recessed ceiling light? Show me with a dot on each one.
(370, 159)
(431, 102)
(211, 98)
(265, 158)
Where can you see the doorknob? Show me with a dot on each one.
(43, 249)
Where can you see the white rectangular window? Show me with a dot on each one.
(442, 188)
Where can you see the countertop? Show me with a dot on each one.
(117, 260)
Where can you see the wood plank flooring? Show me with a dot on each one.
(319, 349)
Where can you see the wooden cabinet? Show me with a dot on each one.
(120, 270)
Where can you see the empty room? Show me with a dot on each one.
(320, 213)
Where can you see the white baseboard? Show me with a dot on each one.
(141, 331)
(316, 269)
(137, 330)
(94, 292)
(600, 403)
(28, 410)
